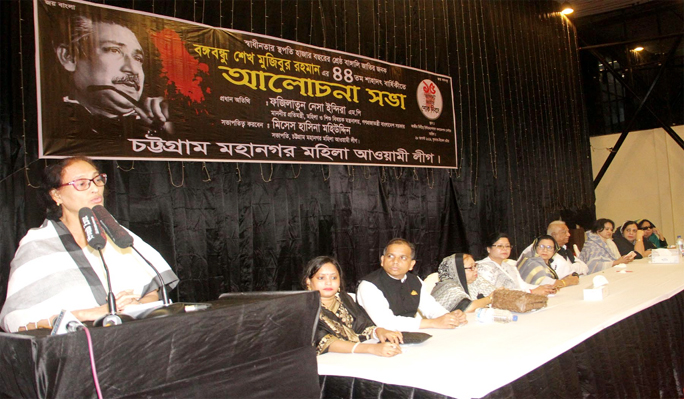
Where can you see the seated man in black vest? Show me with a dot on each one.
(392, 296)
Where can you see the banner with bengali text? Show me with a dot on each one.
(122, 84)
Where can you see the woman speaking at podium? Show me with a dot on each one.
(55, 269)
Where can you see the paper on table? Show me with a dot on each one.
(135, 310)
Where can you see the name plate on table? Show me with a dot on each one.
(595, 294)
(664, 255)
(598, 290)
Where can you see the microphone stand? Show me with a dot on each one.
(169, 308)
(111, 319)
(124, 240)
(162, 286)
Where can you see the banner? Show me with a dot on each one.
(120, 84)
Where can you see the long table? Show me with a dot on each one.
(255, 345)
(477, 359)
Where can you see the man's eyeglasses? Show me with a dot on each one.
(84, 184)
(499, 246)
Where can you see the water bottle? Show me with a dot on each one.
(491, 315)
(680, 245)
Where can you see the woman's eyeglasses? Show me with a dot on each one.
(474, 267)
(545, 247)
(646, 227)
(84, 184)
(499, 246)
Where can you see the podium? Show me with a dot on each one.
(251, 345)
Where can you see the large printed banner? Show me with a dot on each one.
(119, 84)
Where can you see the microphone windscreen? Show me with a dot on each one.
(93, 232)
(113, 229)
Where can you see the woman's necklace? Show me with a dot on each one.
(328, 303)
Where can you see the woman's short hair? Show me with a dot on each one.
(493, 238)
(599, 225)
(52, 179)
(315, 264)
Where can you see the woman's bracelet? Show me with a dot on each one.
(354, 347)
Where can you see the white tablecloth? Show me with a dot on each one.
(476, 359)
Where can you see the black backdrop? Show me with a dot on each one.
(523, 147)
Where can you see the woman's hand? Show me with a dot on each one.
(571, 280)
(384, 349)
(657, 233)
(625, 259)
(545, 290)
(394, 337)
(92, 313)
(479, 303)
(127, 298)
(566, 281)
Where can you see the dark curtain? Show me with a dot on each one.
(522, 144)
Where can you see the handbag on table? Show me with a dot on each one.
(518, 301)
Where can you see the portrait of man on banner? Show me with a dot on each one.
(121, 84)
(101, 80)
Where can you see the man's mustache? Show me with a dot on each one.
(94, 88)
(127, 79)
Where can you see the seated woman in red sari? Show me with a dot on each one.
(343, 325)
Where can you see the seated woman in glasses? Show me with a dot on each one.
(628, 238)
(55, 269)
(502, 272)
(651, 234)
(459, 286)
(535, 265)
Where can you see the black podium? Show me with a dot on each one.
(253, 345)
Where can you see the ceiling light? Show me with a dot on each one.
(566, 9)
(637, 49)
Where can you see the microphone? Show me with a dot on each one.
(66, 322)
(94, 234)
(124, 240)
(96, 239)
(113, 229)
